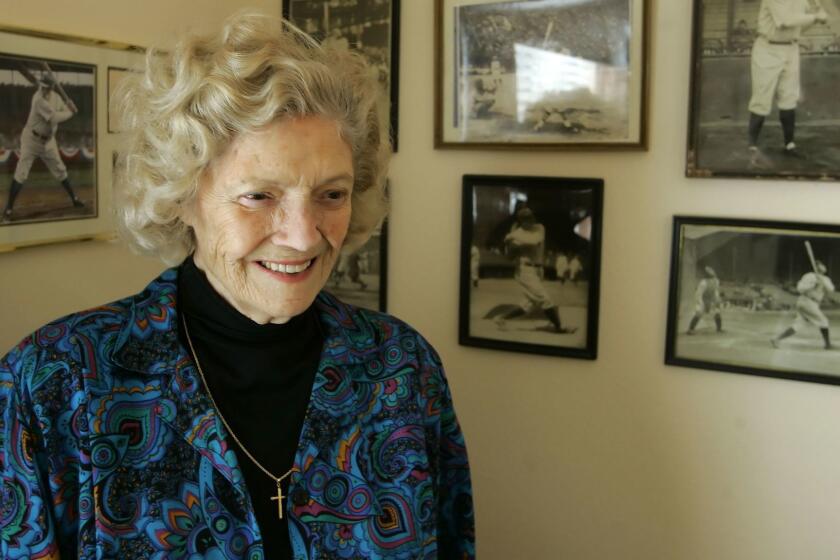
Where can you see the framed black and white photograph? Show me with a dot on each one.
(530, 264)
(48, 128)
(755, 297)
(371, 27)
(54, 186)
(361, 278)
(547, 74)
(763, 90)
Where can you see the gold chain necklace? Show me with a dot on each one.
(278, 479)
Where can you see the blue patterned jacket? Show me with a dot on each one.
(110, 447)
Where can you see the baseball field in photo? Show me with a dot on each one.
(755, 297)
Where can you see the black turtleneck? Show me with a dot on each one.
(260, 377)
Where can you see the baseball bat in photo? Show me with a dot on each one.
(811, 256)
(27, 73)
(58, 87)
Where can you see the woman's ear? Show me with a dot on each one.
(188, 209)
(186, 212)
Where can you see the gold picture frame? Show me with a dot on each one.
(62, 190)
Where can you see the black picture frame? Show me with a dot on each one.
(362, 15)
(548, 75)
(510, 262)
(728, 57)
(760, 267)
(361, 278)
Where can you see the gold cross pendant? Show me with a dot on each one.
(279, 497)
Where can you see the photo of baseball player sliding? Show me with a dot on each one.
(513, 286)
(759, 298)
(47, 141)
(764, 94)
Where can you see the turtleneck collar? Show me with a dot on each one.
(198, 300)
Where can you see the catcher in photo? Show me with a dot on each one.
(707, 300)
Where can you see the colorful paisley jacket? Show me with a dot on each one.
(110, 447)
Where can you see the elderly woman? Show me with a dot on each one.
(232, 409)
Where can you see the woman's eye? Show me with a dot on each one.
(255, 200)
(336, 195)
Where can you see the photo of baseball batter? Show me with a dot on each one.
(763, 99)
(47, 140)
(757, 297)
(370, 27)
(513, 295)
(361, 277)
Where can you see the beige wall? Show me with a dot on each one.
(621, 458)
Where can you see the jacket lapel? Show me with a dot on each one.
(148, 345)
(330, 442)
(331, 439)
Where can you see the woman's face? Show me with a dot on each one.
(271, 215)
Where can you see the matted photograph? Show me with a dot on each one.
(47, 140)
(361, 278)
(371, 27)
(55, 186)
(763, 90)
(755, 297)
(541, 73)
(530, 264)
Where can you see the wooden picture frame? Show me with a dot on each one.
(743, 298)
(370, 27)
(553, 74)
(530, 264)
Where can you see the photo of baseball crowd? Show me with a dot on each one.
(532, 260)
(545, 71)
(47, 140)
(366, 26)
(757, 298)
(763, 99)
